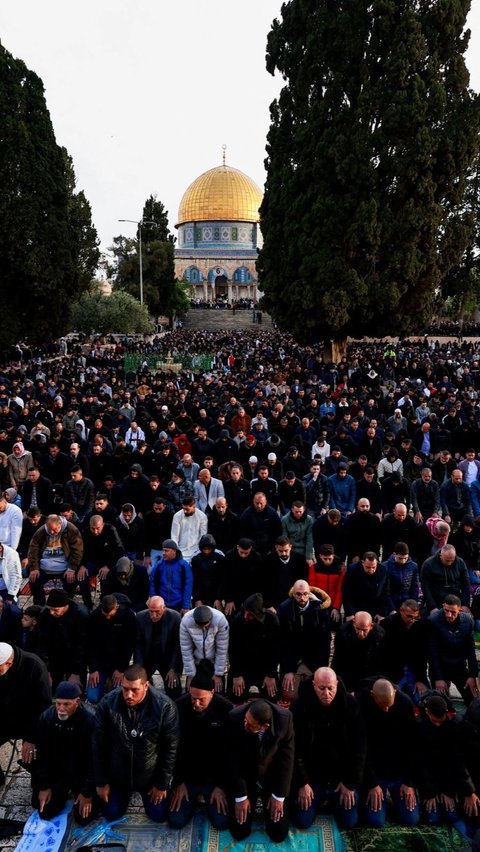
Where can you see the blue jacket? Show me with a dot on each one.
(173, 582)
(451, 645)
(342, 492)
(403, 581)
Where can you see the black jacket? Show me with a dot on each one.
(111, 641)
(81, 495)
(279, 577)
(440, 767)
(159, 647)
(469, 742)
(439, 580)
(135, 589)
(269, 762)
(304, 635)
(64, 751)
(207, 573)
(43, 492)
(363, 533)
(356, 659)
(224, 530)
(103, 549)
(326, 533)
(157, 529)
(135, 762)
(65, 640)
(241, 577)
(330, 742)
(367, 592)
(405, 646)
(238, 494)
(393, 531)
(202, 748)
(132, 536)
(24, 694)
(262, 527)
(254, 647)
(391, 740)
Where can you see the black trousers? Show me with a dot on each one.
(57, 802)
(173, 692)
(277, 831)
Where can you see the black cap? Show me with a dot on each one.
(67, 689)
(57, 597)
(203, 677)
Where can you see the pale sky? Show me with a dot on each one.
(144, 93)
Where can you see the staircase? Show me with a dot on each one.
(222, 320)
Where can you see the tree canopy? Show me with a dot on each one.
(162, 293)
(48, 246)
(118, 313)
(370, 148)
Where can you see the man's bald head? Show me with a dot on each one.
(383, 693)
(362, 624)
(325, 684)
(156, 607)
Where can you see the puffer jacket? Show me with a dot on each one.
(197, 644)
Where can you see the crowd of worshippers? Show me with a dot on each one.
(291, 548)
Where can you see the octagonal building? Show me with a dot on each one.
(218, 235)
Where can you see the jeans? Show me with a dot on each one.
(94, 693)
(345, 818)
(177, 819)
(441, 816)
(377, 819)
(407, 685)
(118, 803)
(154, 555)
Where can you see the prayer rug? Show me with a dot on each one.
(396, 838)
(139, 834)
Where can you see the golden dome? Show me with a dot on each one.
(221, 194)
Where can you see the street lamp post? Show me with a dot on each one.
(140, 259)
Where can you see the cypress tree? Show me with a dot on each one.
(369, 150)
(40, 246)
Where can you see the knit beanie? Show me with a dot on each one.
(203, 677)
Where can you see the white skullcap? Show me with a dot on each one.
(6, 652)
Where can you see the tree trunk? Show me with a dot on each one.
(334, 350)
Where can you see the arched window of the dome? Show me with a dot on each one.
(216, 272)
(193, 275)
(242, 275)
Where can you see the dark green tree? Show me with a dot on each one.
(369, 150)
(43, 253)
(84, 246)
(461, 287)
(118, 313)
(162, 293)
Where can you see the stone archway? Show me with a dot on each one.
(221, 287)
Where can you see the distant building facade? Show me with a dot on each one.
(218, 236)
